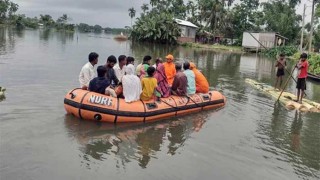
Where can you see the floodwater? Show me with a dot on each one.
(251, 138)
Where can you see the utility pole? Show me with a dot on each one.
(311, 31)
(302, 30)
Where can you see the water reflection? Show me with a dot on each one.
(132, 142)
(45, 34)
(296, 127)
(287, 139)
(7, 40)
(63, 37)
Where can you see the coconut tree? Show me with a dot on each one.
(132, 13)
(144, 8)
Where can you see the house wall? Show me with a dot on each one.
(266, 39)
(185, 39)
(188, 34)
(248, 41)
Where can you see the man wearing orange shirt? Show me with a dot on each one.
(202, 85)
(170, 69)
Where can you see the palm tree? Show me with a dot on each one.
(144, 8)
(132, 13)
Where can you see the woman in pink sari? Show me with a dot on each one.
(163, 86)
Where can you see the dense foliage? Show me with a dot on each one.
(314, 62)
(225, 18)
(7, 10)
(154, 27)
(286, 50)
(281, 17)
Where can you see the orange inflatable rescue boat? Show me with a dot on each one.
(93, 106)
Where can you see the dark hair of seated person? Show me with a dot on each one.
(178, 66)
(121, 58)
(151, 71)
(146, 59)
(112, 59)
(101, 70)
(93, 56)
(130, 59)
(186, 65)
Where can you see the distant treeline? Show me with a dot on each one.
(8, 16)
(82, 27)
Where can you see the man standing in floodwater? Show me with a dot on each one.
(281, 65)
(87, 72)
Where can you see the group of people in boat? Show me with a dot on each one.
(144, 82)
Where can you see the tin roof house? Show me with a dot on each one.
(188, 31)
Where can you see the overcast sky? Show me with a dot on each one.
(107, 13)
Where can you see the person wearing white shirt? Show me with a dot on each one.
(119, 68)
(87, 72)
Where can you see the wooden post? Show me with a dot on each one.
(311, 31)
(302, 30)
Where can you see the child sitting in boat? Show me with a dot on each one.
(144, 67)
(149, 85)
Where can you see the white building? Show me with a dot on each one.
(262, 40)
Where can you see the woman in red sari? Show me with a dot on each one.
(163, 86)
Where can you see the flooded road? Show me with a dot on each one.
(252, 137)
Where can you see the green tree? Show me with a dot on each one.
(47, 20)
(132, 13)
(13, 8)
(317, 27)
(212, 13)
(144, 8)
(83, 27)
(177, 8)
(155, 27)
(279, 16)
(193, 16)
(243, 17)
(97, 28)
(7, 10)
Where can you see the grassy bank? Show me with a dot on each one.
(235, 49)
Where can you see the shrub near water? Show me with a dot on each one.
(286, 50)
(314, 62)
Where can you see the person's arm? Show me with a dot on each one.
(142, 84)
(277, 64)
(114, 77)
(84, 78)
(301, 65)
(90, 85)
(174, 84)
